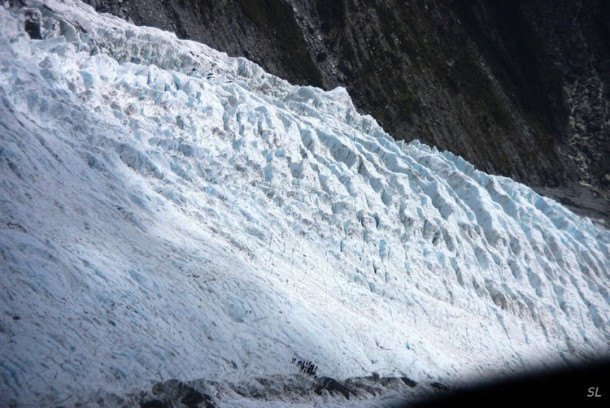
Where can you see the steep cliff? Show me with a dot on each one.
(519, 88)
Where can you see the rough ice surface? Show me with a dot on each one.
(169, 212)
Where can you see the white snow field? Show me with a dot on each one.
(169, 212)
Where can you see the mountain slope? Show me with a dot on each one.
(518, 88)
(169, 212)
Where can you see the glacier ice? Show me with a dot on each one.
(168, 211)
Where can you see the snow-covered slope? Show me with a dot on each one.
(167, 211)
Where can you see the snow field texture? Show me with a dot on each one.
(170, 212)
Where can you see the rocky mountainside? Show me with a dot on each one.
(519, 88)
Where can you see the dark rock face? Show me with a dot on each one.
(168, 393)
(332, 386)
(519, 88)
(33, 23)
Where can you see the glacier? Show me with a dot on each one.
(170, 212)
